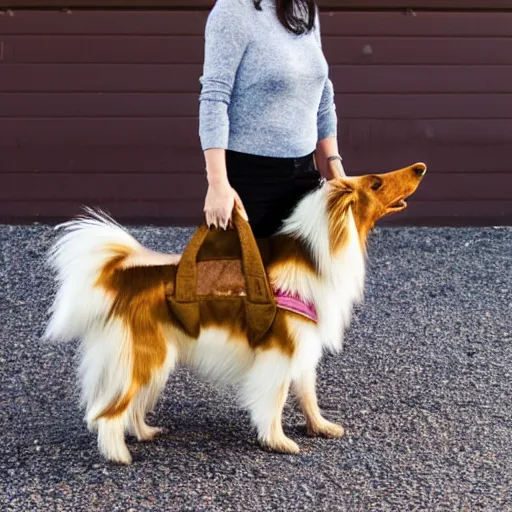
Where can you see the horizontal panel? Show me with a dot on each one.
(424, 106)
(189, 49)
(456, 24)
(461, 159)
(378, 134)
(192, 23)
(421, 79)
(101, 187)
(368, 50)
(189, 213)
(167, 212)
(171, 186)
(165, 159)
(452, 213)
(148, 133)
(327, 4)
(172, 4)
(349, 105)
(100, 77)
(103, 22)
(426, 4)
(470, 187)
(171, 49)
(367, 134)
(99, 104)
(185, 78)
(120, 160)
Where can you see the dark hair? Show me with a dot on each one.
(297, 16)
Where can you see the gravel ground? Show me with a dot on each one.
(423, 388)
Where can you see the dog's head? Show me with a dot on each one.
(371, 197)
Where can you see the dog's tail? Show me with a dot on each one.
(78, 258)
(118, 357)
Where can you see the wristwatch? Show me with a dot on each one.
(335, 157)
(335, 170)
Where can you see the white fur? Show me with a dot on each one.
(260, 393)
(105, 368)
(339, 284)
(111, 442)
(262, 377)
(146, 400)
(308, 349)
(217, 357)
(78, 257)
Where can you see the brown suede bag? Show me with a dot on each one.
(223, 264)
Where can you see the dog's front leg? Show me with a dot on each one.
(270, 423)
(305, 389)
(265, 394)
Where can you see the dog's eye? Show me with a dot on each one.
(376, 183)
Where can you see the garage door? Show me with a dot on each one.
(99, 107)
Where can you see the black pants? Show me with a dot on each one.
(270, 188)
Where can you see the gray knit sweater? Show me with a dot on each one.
(264, 90)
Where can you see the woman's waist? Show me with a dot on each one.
(243, 161)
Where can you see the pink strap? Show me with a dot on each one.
(296, 305)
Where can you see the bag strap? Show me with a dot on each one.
(260, 303)
(258, 288)
(186, 273)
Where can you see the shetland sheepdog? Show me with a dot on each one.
(111, 296)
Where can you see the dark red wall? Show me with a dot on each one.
(100, 108)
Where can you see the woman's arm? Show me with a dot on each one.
(327, 155)
(225, 41)
(221, 197)
(226, 38)
(328, 160)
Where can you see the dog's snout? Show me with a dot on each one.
(420, 170)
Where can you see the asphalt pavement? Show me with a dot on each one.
(423, 388)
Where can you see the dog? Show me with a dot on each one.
(111, 295)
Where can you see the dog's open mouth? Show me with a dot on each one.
(399, 205)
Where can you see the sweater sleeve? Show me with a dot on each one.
(226, 38)
(327, 120)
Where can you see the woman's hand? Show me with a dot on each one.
(221, 198)
(220, 201)
(327, 159)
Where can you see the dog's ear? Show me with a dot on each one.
(340, 192)
(340, 186)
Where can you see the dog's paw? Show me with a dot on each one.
(147, 433)
(282, 444)
(125, 459)
(325, 429)
(117, 454)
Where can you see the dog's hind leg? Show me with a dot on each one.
(111, 441)
(304, 386)
(123, 368)
(147, 398)
(265, 393)
(105, 375)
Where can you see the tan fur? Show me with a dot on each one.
(369, 205)
(316, 425)
(340, 198)
(277, 440)
(141, 306)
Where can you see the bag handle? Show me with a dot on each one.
(260, 303)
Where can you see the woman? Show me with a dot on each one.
(266, 112)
